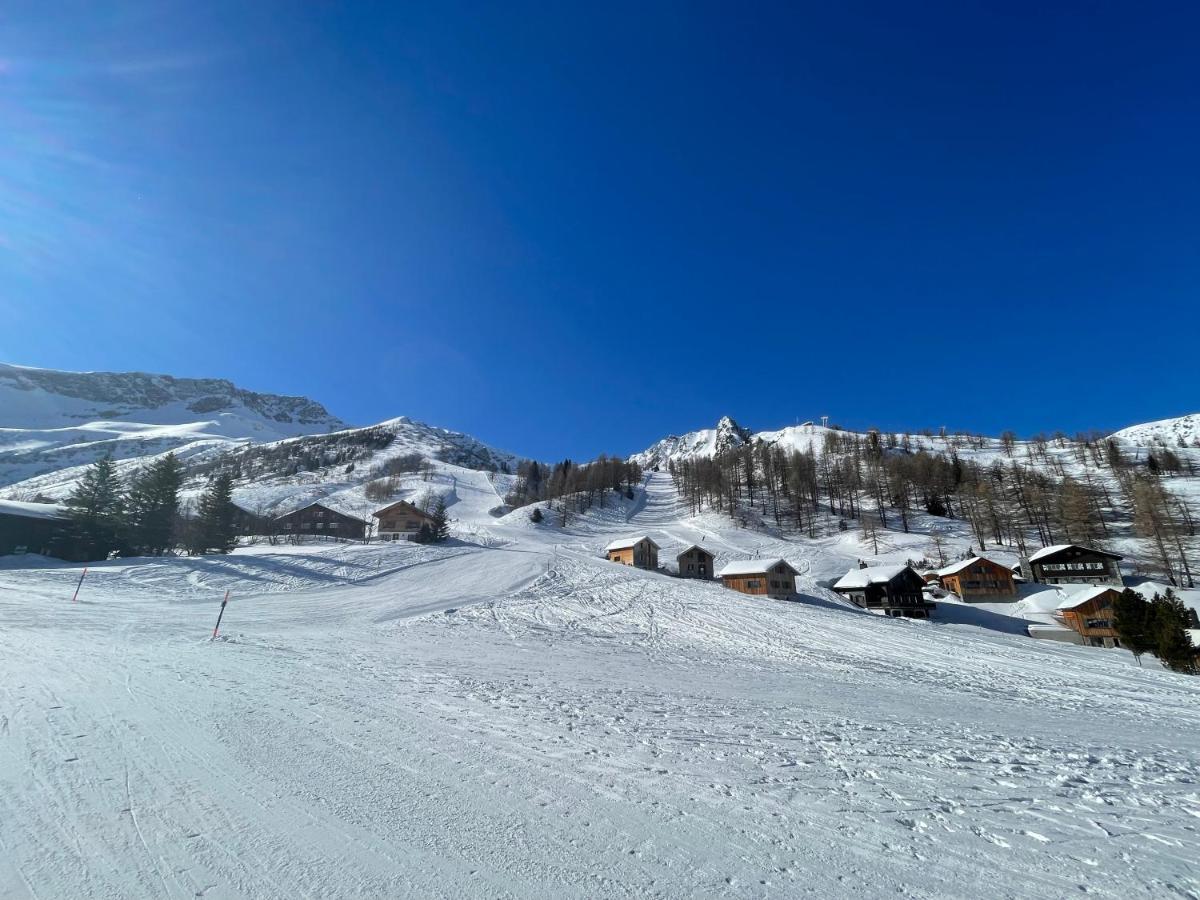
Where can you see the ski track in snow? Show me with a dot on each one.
(514, 717)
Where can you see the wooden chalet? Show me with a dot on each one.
(1089, 612)
(401, 521)
(769, 577)
(247, 522)
(895, 591)
(637, 551)
(1073, 564)
(43, 528)
(695, 562)
(321, 521)
(978, 579)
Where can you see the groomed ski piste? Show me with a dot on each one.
(508, 715)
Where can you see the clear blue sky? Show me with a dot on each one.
(587, 226)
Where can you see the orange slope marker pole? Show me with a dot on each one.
(75, 598)
(221, 613)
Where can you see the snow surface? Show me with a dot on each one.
(506, 715)
(32, 510)
(1172, 433)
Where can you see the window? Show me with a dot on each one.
(752, 584)
(691, 567)
(320, 524)
(333, 524)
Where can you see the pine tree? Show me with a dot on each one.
(1133, 623)
(536, 516)
(424, 534)
(441, 522)
(97, 510)
(153, 506)
(1170, 621)
(215, 529)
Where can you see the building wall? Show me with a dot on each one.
(1077, 567)
(974, 581)
(772, 584)
(323, 522)
(1093, 620)
(403, 520)
(642, 554)
(695, 559)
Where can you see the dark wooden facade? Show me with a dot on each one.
(1073, 564)
(695, 562)
(321, 521)
(890, 591)
(24, 529)
(401, 521)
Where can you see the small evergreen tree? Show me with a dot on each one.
(536, 516)
(1133, 624)
(441, 522)
(424, 534)
(215, 529)
(153, 505)
(97, 510)
(1173, 646)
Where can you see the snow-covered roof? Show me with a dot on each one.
(292, 512)
(691, 547)
(954, 568)
(626, 543)
(860, 578)
(32, 510)
(1058, 548)
(753, 567)
(1080, 597)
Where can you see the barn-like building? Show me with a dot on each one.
(895, 591)
(637, 551)
(319, 520)
(695, 562)
(761, 577)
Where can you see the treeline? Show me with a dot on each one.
(575, 488)
(1024, 499)
(142, 516)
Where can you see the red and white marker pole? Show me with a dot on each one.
(79, 585)
(221, 613)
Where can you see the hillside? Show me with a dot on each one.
(52, 420)
(508, 715)
(1183, 431)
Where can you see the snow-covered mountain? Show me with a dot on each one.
(707, 442)
(1184, 430)
(727, 435)
(51, 420)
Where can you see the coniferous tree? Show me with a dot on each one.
(424, 534)
(97, 510)
(1173, 647)
(215, 528)
(1133, 622)
(153, 505)
(441, 522)
(536, 516)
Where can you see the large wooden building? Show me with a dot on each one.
(43, 528)
(319, 520)
(886, 590)
(637, 551)
(695, 562)
(1073, 564)
(769, 577)
(978, 579)
(1089, 612)
(401, 521)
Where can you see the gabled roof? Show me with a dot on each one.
(626, 543)
(1078, 598)
(691, 548)
(861, 578)
(954, 568)
(387, 509)
(754, 567)
(33, 510)
(1058, 548)
(322, 506)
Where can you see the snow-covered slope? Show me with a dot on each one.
(1178, 432)
(51, 420)
(507, 715)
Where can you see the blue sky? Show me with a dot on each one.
(572, 229)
